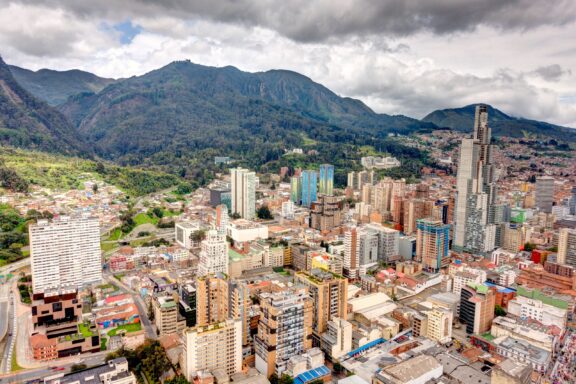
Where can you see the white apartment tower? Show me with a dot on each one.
(213, 254)
(243, 189)
(65, 252)
(545, 193)
(476, 189)
(211, 347)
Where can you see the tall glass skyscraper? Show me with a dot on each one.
(309, 181)
(295, 189)
(326, 179)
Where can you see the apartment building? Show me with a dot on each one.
(211, 299)
(432, 240)
(213, 254)
(477, 304)
(165, 314)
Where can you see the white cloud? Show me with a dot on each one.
(528, 73)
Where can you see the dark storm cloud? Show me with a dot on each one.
(305, 20)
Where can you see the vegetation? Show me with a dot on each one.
(25, 293)
(149, 359)
(13, 234)
(499, 311)
(198, 235)
(14, 363)
(62, 173)
(177, 380)
(126, 327)
(78, 367)
(284, 379)
(264, 213)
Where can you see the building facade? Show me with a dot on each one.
(243, 190)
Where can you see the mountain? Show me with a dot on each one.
(185, 110)
(55, 87)
(30, 123)
(462, 119)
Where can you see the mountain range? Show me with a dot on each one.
(179, 116)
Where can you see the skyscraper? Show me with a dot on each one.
(65, 252)
(213, 254)
(295, 189)
(326, 179)
(477, 303)
(432, 239)
(243, 189)
(545, 193)
(309, 181)
(221, 219)
(476, 189)
(212, 298)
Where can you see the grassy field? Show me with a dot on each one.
(108, 246)
(60, 173)
(127, 327)
(85, 330)
(143, 218)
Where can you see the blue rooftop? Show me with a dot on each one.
(499, 287)
(311, 375)
(366, 347)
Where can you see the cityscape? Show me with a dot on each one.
(206, 225)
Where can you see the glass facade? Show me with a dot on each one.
(309, 181)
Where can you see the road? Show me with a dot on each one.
(146, 323)
(14, 266)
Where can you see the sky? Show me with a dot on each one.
(407, 57)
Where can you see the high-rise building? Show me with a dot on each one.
(545, 193)
(356, 180)
(284, 329)
(295, 189)
(211, 299)
(288, 210)
(325, 214)
(213, 254)
(239, 306)
(414, 210)
(329, 294)
(326, 186)
(243, 189)
(432, 240)
(214, 346)
(65, 252)
(477, 304)
(187, 303)
(572, 202)
(351, 253)
(567, 247)
(165, 314)
(309, 180)
(476, 189)
(222, 219)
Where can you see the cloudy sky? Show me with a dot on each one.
(400, 57)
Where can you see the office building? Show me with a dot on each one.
(183, 233)
(211, 347)
(329, 292)
(288, 210)
(476, 189)
(567, 247)
(432, 240)
(477, 304)
(239, 306)
(545, 193)
(165, 314)
(284, 329)
(326, 182)
(187, 303)
(357, 180)
(221, 195)
(309, 181)
(521, 351)
(532, 308)
(65, 252)
(211, 299)
(213, 254)
(243, 189)
(325, 214)
(295, 189)
(351, 253)
(222, 219)
(414, 210)
(572, 202)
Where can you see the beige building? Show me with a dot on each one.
(165, 314)
(215, 346)
(329, 293)
(211, 299)
(567, 247)
(440, 325)
(337, 340)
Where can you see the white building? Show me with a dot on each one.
(243, 190)
(370, 162)
(535, 309)
(182, 232)
(337, 340)
(463, 278)
(65, 252)
(211, 347)
(288, 210)
(244, 230)
(213, 254)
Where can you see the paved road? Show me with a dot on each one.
(14, 266)
(4, 300)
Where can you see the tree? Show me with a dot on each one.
(150, 311)
(285, 379)
(529, 247)
(177, 380)
(198, 235)
(158, 212)
(338, 367)
(273, 379)
(235, 215)
(95, 188)
(78, 367)
(499, 311)
(264, 213)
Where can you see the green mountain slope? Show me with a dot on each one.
(184, 112)
(30, 123)
(55, 87)
(462, 119)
